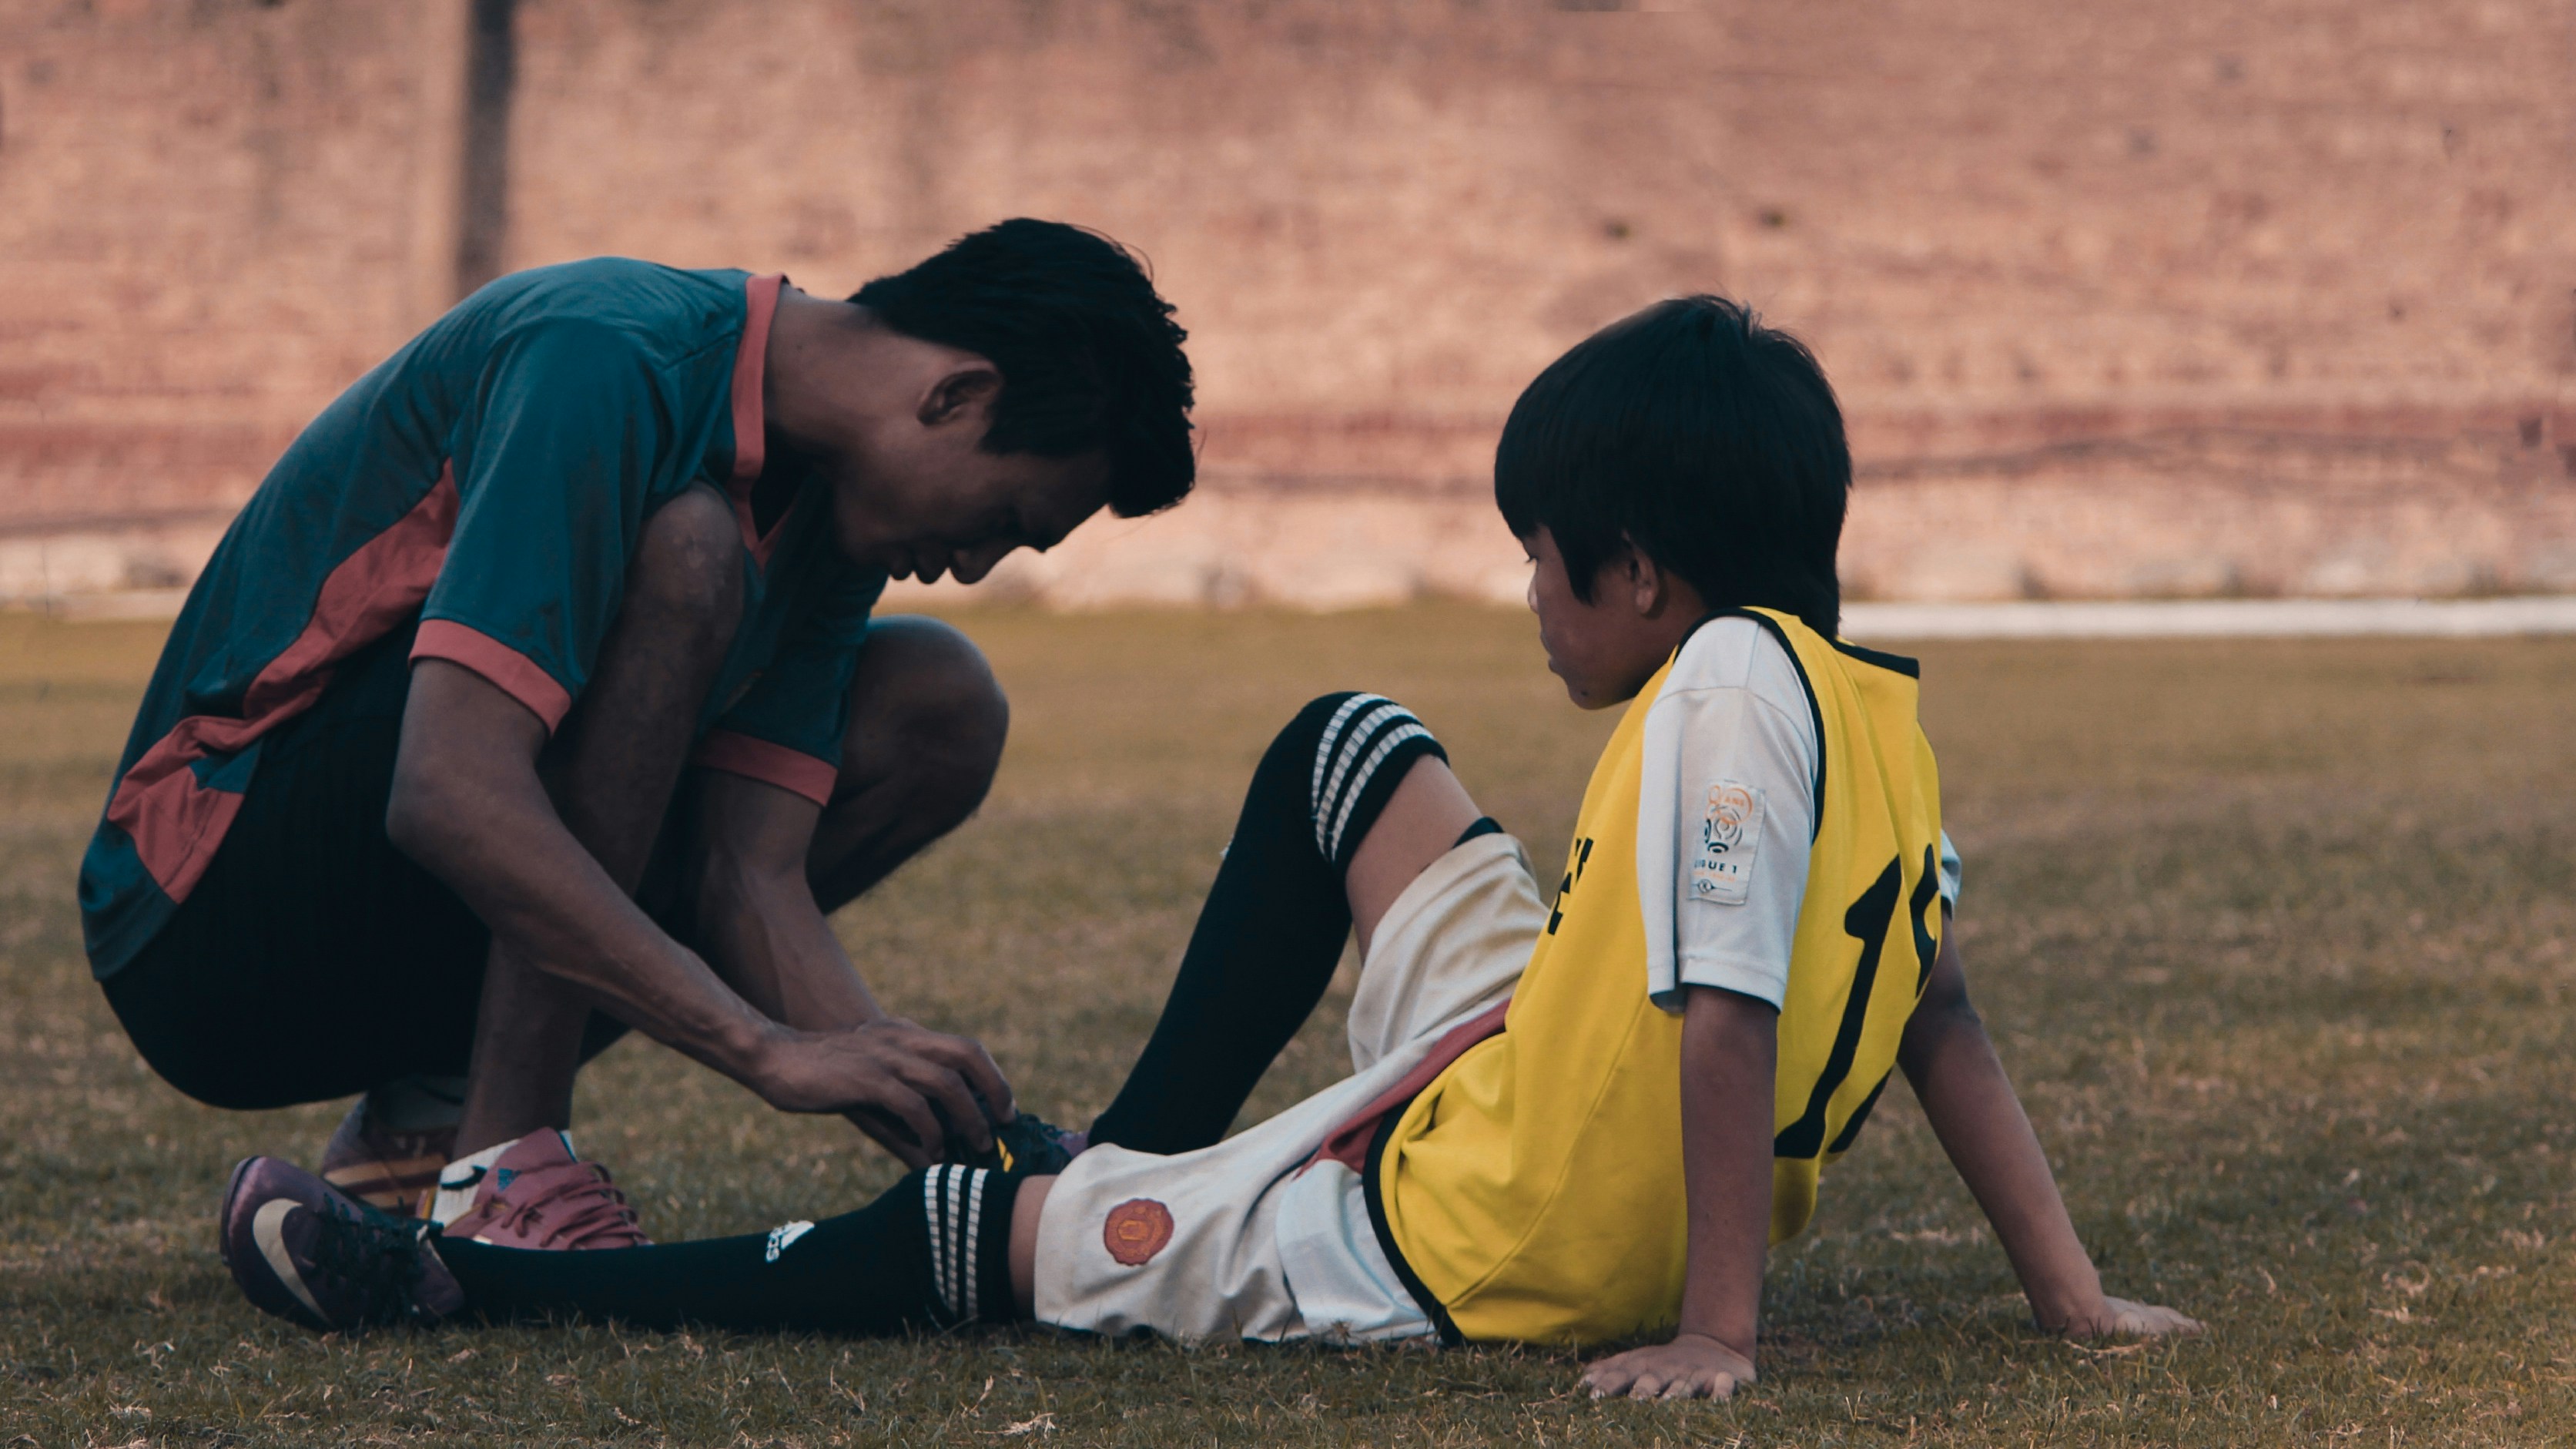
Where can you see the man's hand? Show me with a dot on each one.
(2120, 1318)
(919, 1093)
(1692, 1366)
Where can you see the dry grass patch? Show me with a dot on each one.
(2276, 938)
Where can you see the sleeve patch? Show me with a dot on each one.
(1730, 835)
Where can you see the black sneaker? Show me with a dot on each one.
(313, 1255)
(1026, 1144)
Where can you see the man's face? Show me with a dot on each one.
(1604, 650)
(948, 507)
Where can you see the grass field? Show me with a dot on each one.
(2277, 938)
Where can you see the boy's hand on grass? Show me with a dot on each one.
(2120, 1318)
(1692, 1366)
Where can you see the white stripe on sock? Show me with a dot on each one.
(956, 1202)
(1345, 751)
(1324, 746)
(974, 1239)
(1411, 730)
(1351, 776)
(930, 1214)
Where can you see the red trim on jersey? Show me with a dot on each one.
(773, 764)
(176, 821)
(750, 437)
(1348, 1144)
(518, 676)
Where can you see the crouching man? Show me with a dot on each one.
(535, 696)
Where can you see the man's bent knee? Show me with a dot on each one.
(688, 567)
(925, 708)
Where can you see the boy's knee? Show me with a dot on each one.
(1321, 716)
(1341, 757)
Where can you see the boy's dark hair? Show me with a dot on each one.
(1089, 354)
(1710, 441)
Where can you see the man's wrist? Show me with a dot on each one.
(749, 1052)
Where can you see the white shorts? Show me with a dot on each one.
(1232, 1241)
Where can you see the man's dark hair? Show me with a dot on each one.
(1089, 355)
(1709, 441)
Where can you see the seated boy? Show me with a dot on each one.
(1574, 1122)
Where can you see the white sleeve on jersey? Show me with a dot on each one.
(1725, 815)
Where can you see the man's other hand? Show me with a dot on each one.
(904, 1085)
(1692, 1366)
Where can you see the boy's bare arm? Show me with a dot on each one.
(1730, 1054)
(1980, 1122)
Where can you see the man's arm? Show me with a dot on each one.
(1980, 1122)
(1730, 1056)
(767, 935)
(757, 916)
(468, 804)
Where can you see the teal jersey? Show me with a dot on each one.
(489, 481)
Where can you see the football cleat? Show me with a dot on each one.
(1027, 1145)
(538, 1195)
(387, 1170)
(309, 1253)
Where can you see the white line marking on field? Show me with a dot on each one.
(2214, 618)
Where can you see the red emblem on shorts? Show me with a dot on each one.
(1137, 1229)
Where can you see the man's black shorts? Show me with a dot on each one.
(314, 960)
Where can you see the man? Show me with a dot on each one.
(535, 696)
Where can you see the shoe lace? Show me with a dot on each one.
(373, 1254)
(572, 1206)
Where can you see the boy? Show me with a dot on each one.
(1575, 1123)
(535, 696)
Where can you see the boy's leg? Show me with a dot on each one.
(1268, 1234)
(1349, 803)
(1424, 820)
(931, 1252)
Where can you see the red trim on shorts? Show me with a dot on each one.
(517, 676)
(750, 437)
(771, 764)
(1348, 1144)
(176, 821)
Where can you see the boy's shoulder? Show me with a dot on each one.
(1737, 651)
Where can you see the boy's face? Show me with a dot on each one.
(1607, 649)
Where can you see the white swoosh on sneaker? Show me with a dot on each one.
(266, 1229)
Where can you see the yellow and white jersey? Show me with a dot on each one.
(1535, 1187)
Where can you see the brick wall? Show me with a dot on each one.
(2167, 299)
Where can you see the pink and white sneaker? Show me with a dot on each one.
(538, 1195)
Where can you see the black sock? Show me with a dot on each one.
(1274, 922)
(933, 1251)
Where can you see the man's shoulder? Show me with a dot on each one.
(655, 307)
(610, 280)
